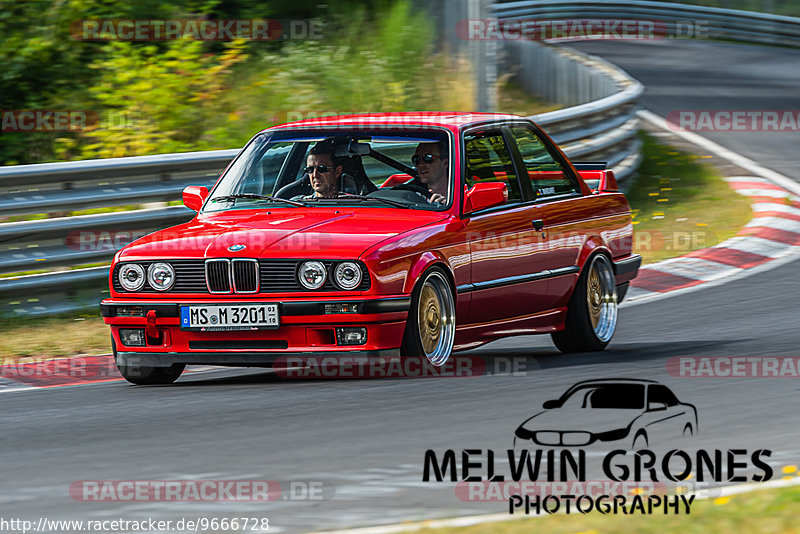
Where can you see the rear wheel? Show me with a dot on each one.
(145, 375)
(593, 309)
(431, 326)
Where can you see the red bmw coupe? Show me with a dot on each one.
(398, 234)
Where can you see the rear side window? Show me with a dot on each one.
(545, 173)
(662, 394)
(489, 160)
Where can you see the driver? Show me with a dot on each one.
(430, 159)
(323, 170)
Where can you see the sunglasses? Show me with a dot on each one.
(426, 158)
(321, 168)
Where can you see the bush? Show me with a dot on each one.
(179, 98)
(154, 101)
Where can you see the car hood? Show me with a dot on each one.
(280, 233)
(593, 420)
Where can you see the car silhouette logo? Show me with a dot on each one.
(236, 248)
(636, 412)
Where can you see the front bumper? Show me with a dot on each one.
(305, 329)
(238, 359)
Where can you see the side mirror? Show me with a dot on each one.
(194, 196)
(485, 195)
(549, 405)
(656, 406)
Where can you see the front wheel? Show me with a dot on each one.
(431, 326)
(640, 441)
(593, 310)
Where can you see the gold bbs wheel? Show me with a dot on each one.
(601, 298)
(593, 309)
(431, 327)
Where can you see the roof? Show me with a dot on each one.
(615, 381)
(401, 118)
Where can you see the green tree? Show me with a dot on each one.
(153, 101)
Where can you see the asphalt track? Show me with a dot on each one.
(700, 75)
(367, 437)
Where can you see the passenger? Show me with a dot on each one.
(323, 170)
(430, 159)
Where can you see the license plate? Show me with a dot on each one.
(229, 317)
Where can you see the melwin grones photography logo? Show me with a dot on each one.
(548, 469)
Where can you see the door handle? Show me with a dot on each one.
(538, 224)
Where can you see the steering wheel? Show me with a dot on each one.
(415, 187)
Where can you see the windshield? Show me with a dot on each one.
(290, 169)
(618, 396)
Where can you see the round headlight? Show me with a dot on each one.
(131, 277)
(161, 276)
(347, 275)
(312, 274)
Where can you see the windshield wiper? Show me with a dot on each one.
(254, 196)
(394, 203)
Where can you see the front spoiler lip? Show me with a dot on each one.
(285, 308)
(237, 359)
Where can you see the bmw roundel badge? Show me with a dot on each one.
(236, 248)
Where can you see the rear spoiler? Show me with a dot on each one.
(597, 176)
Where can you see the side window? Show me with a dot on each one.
(489, 160)
(545, 173)
(662, 394)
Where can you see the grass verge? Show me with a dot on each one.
(767, 511)
(681, 203)
(512, 98)
(51, 337)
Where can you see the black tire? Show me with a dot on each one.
(593, 309)
(144, 375)
(431, 325)
(637, 440)
(688, 432)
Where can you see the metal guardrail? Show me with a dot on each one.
(78, 185)
(601, 129)
(598, 124)
(717, 23)
(58, 242)
(603, 124)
